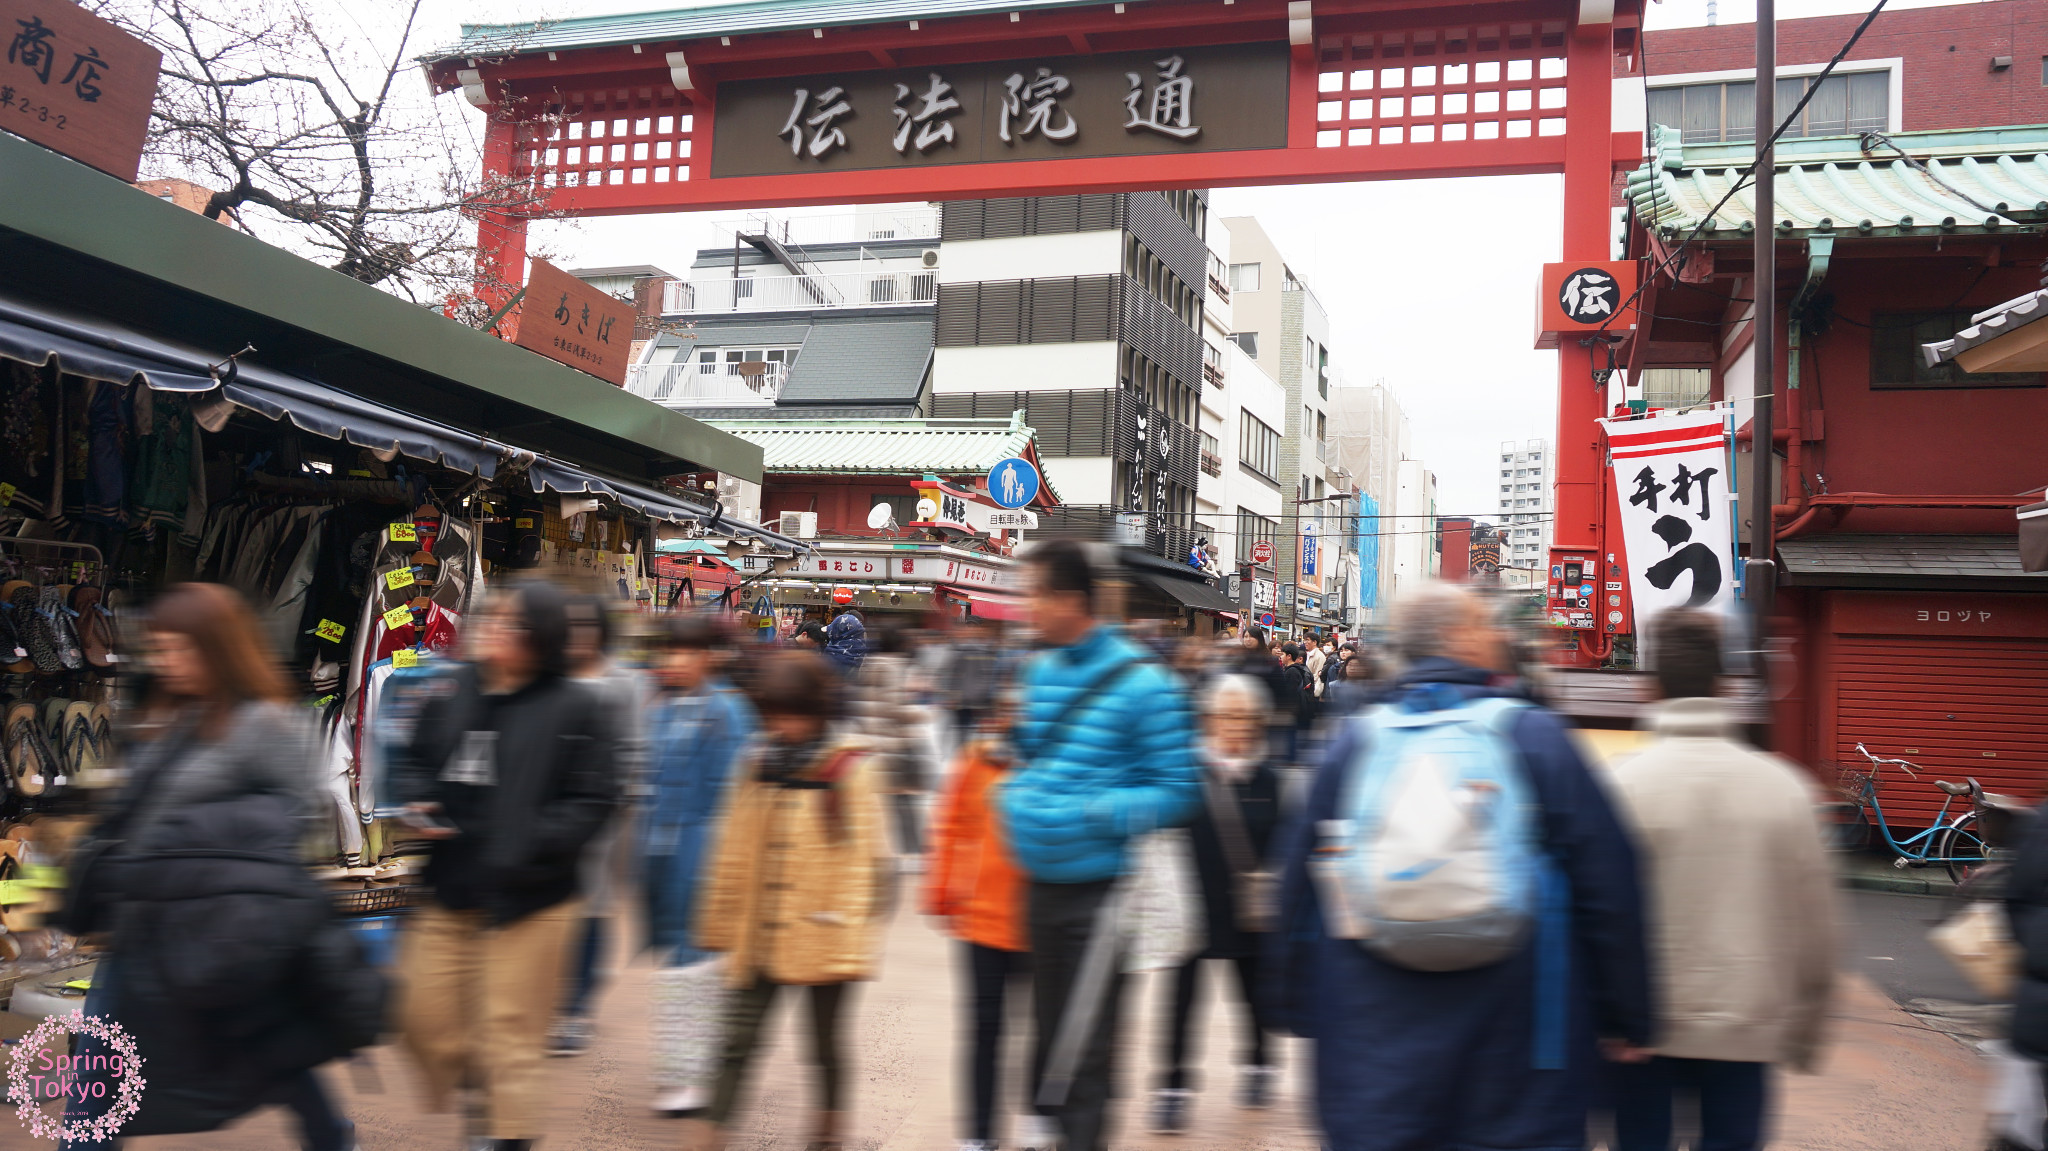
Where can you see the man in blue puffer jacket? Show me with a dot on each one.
(1107, 753)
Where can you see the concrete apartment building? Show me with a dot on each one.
(1370, 439)
(1413, 542)
(1525, 511)
(1239, 496)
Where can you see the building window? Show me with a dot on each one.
(1212, 455)
(1244, 277)
(708, 360)
(1251, 529)
(1258, 447)
(1247, 342)
(1896, 362)
(1711, 113)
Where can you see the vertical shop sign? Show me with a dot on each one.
(76, 84)
(571, 322)
(1672, 475)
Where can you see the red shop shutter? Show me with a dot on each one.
(1959, 708)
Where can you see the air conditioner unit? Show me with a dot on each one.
(798, 525)
(930, 259)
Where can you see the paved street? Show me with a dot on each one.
(1890, 1081)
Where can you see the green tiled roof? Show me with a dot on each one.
(883, 446)
(1833, 185)
(717, 20)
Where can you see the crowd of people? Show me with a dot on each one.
(1399, 856)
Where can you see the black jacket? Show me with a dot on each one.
(1257, 800)
(523, 834)
(228, 966)
(2026, 902)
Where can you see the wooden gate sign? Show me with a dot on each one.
(567, 320)
(76, 84)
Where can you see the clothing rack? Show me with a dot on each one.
(47, 553)
(337, 489)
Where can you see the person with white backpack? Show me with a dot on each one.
(1460, 917)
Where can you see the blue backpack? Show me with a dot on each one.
(1435, 861)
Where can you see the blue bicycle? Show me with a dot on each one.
(1956, 842)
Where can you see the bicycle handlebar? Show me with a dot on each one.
(1903, 765)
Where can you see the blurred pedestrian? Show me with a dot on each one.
(1105, 758)
(1741, 898)
(1317, 655)
(846, 639)
(1454, 973)
(976, 888)
(699, 726)
(1231, 833)
(795, 895)
(623, 691)
(884, 704)
(511, 771)
(225, 964)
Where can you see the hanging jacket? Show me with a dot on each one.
(1123, 765)
(2026, 904)
(693, 743)
(974, 882)
(795, 889)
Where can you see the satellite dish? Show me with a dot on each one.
(880, 517)
(927, 510)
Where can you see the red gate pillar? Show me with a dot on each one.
(500, 235)
(1578, 522)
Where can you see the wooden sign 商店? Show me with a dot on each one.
(567, 320)
(76, 84)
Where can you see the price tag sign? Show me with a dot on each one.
(404, 534)
(6, 494)
(523, 523)
(399, 578)
(18, 891)
(398, 617)
(330, 631)
(405, 657)
(43, 875)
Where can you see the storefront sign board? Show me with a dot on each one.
(571, 322)
(76, 84)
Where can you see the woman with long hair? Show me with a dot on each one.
(197, 874)
(510, 772)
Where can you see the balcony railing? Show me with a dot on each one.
(752, 383)
(1219, 289)
(912, 223)
(1212, 372)
(1212, 464)
(800, 293)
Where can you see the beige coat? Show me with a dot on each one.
(793, 893)
(1738, 888)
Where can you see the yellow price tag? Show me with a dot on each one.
(18, 891)
(523, 522)
(6, 494)
(398, 617)
(78, 984)
(405, 657)
(404, 534)
(402, 577)
(43, 875)
(330, 631)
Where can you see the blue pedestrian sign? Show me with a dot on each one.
(1013, 483)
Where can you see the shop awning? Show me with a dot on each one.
(986, 605)
(1187, 592)
(1908, 563)
(101, 349)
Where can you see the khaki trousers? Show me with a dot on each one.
(478, 999)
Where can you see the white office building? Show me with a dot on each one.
(1525, 511)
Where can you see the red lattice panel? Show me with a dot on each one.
(594, 139)
(1489, 82)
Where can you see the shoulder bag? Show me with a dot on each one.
(1255, 886)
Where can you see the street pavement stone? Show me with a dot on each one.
(1889, 1081)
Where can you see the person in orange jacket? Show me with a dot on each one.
(975, 886)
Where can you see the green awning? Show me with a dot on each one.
(73, 236)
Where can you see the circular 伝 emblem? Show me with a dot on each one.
(1589, 295)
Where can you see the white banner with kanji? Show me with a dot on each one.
(1672, 474)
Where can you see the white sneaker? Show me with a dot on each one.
(1035, 1132)
(975, 1145)
(677, 1102)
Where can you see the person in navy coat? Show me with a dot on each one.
(1482, 1059)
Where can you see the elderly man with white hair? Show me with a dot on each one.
(1231, 834)
(1460, 923)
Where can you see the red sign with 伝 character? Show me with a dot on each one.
(567, 320)
(76, 84)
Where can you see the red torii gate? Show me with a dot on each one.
(679, 111)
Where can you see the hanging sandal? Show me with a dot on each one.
(83, 751)
(50, 605)
(23, 736)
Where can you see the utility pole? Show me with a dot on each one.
(1760, 577)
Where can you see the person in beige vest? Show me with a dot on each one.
(1741, 908)
(795, 893)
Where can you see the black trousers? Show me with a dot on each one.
(1180, 1048)
(1061, 919)
(997, 975)
(745, 1015)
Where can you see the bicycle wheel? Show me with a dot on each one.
(1960, 849)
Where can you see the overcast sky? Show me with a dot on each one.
(1430, 284)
